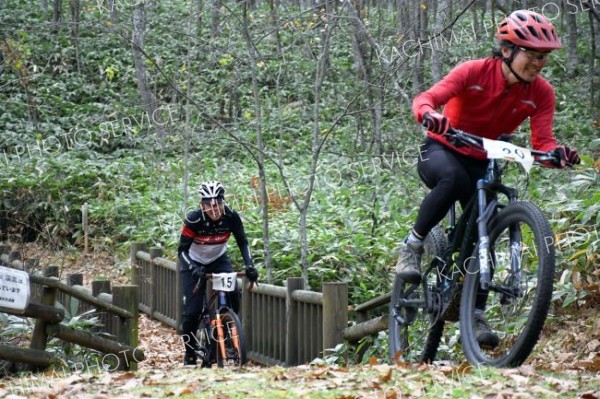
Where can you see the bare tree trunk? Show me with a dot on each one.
(45, 11)
(199, 14)
(572, 59)
(403, 7)
(420, 31)
(75, 8)
(188, 132)
(57, 14)
(595, 16)
(114, 15)
(275, 22)
(365, 74)
(437, 52)
(493, 14)
(139, 26)
(15, 59)
(317, 144)
(594, 69)
(216, 18)
(475, 21)
(260, 158)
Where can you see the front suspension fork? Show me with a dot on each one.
(486, 211)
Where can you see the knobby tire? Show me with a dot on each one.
(504, 315)
(234, 341)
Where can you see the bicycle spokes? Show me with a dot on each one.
(520, 287)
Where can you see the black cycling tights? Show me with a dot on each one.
(450, 176)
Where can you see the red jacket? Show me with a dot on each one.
(478, 101)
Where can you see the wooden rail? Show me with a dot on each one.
(119, 312)
(283, 325)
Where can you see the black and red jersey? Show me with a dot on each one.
(204, 240)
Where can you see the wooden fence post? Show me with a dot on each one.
(155, 252)
(247, 313)
(179, 297)
(39, 337)
(4, 249)
(85, 226)
(126, 297)
(291, 344)
(335, 314)
(103, 287)
(73, 279)
(15, 260)
(100, 287)
(31, 264)
(135, 264)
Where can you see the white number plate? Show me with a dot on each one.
(224, 281)
(503, 150)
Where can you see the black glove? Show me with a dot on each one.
(198, 271)
(436, 123)
(565, 156)
(251, 273)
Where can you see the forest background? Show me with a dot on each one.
(301, 108)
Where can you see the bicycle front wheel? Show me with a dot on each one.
(231, 346)
(414, 326)
(518, 299)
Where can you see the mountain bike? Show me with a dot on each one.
(220, 335)
(500, 250)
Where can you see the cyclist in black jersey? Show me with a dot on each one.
(203, 249)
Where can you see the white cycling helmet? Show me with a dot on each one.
(211, 189)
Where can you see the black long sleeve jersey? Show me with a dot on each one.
(204, 240)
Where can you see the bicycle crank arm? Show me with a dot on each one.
(504, 290)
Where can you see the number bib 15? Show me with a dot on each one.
(224, 281)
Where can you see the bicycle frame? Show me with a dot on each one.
(487, 203)
(221, 298)
(491, 183)
(471, 241)
(219, 301)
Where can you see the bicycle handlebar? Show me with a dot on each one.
(477, 142)
(208, 276)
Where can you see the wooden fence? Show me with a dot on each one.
(117, 310)
(283, 325)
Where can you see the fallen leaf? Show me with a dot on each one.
(125, 376)
(527, 370)
(386, 374)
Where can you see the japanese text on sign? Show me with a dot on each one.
(14, 289)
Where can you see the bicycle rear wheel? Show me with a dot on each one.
(233, 344)
(414, 325)
(517, 303)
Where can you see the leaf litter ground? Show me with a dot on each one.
(565, 364)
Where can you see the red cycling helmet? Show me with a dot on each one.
(529, 29)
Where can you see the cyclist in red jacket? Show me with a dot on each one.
(488, 97)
